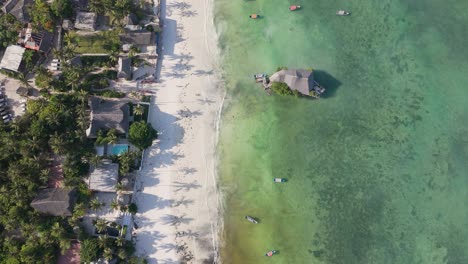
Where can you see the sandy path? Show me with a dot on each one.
(177, 198)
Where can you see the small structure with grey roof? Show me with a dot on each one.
(67, 24)
(18, 8)
(12, 58)
(86, 21)
(299, 80)
(104, 177)
(55, 201)
(124, 68)
(138, 38)
(107, 114)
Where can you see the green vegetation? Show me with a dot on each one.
(108, 137)
(27, 148)
(9, 27)
(41, 15)
(103, 42)
(62, 8)
(281, 88)
(141, 134)
(133, 208)
(110, 94)
(115, 9)
(97, 61)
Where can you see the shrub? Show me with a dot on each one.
(132, 208)
(281, 88)
(142, 134)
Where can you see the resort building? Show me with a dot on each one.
(39, 41)
(12, 58)
(299, 80)
(108, 114)
(55, 201)
(138, 38)
(86, 21)
(18, 8)
(104, 177)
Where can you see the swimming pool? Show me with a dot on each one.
(117, 149)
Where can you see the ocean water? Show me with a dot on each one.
(377, 169)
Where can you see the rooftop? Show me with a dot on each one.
(107, 114)
(85, 20)
(18, 8)
(55, 201)
(104, 177)
(137, 37)
(12, 58)
(297, 79)
(40, 41)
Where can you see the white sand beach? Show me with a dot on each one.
(176, 190)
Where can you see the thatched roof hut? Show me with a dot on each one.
(299, 80)
(55, 201)
(107, 114)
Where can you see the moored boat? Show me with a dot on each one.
(270, 253)
(260, 77)
(251, 219)
(294, 7)
(279, 180)
(342, 13)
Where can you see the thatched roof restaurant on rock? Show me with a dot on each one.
(299, 80)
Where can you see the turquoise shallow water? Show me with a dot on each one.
(378, 169)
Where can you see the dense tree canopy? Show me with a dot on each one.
(27, 148)
(41, 15)
(62, 8)
(9, 27)
(142, 134)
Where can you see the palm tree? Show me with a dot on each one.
(64, 244)
(95, 204)
(58, 53)
(83, 96)
(70, 38)
(111, 136)
(54, 119)
(79, 210)
(43, 77)
(57, 230)
(122, 254)
(119, 187)
(57, 143)
(101, 225)
(108, 253)
(34, 143)
(120, 241)
(28, 56)
(44, 175)
(138, 110)
(103, 240)
(23, 80)
(114, 204)
(95, 160)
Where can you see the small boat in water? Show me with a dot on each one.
(279, 180)
(251, 219)
(342, 13)
(254, 16)
(294, 7)
(260, 77)
(270, 253)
